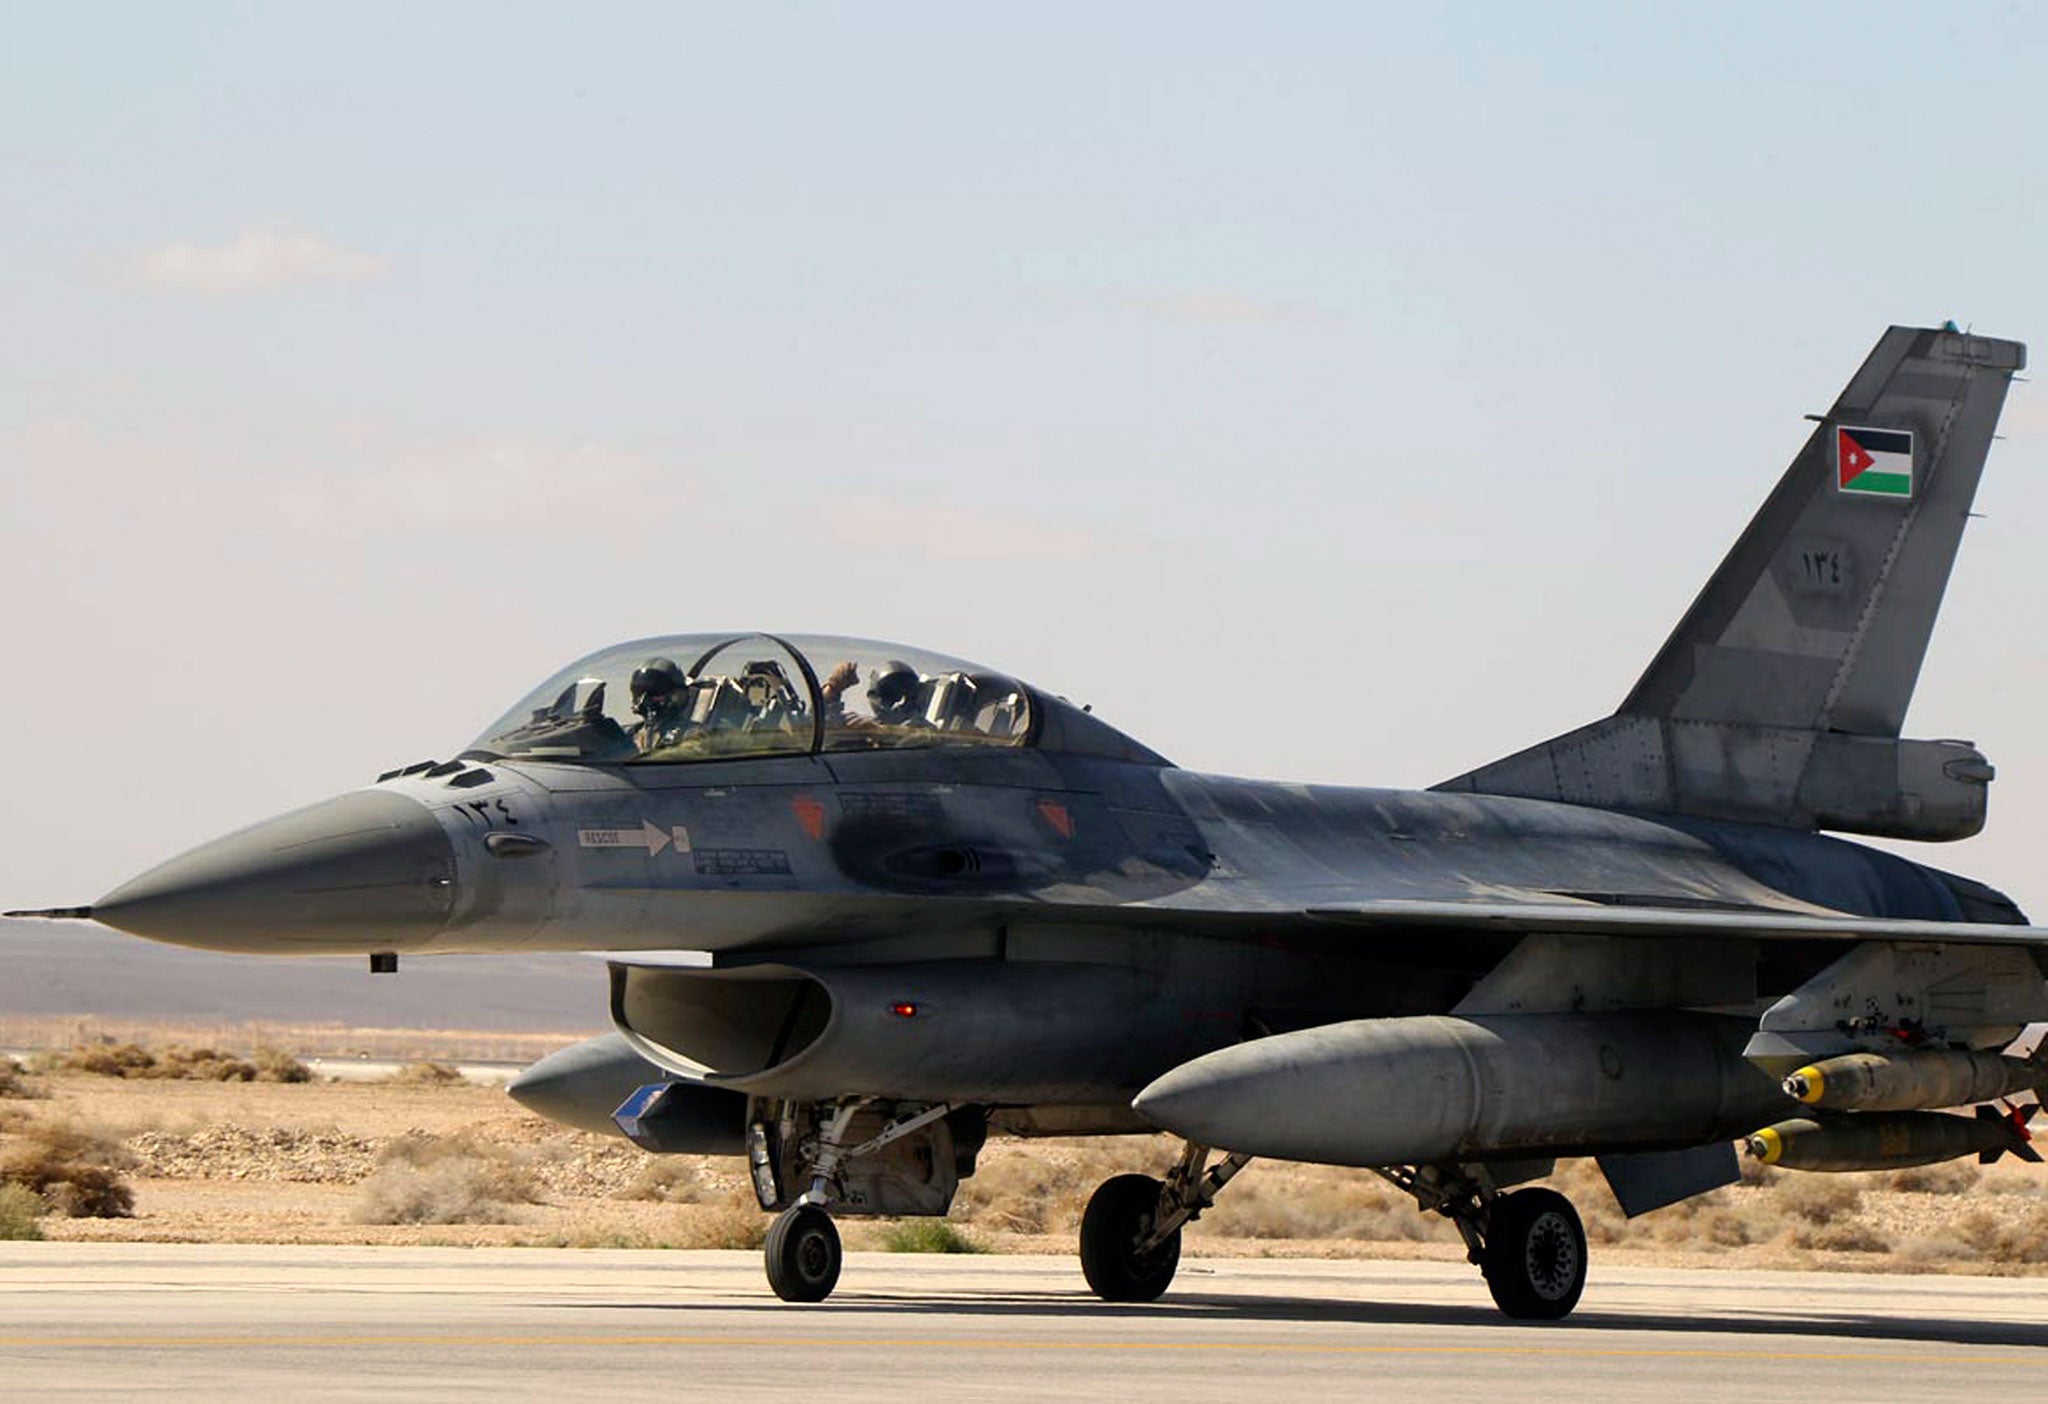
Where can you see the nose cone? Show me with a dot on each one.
(583, 1084)
(370, 871)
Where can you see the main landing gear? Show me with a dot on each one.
(1130, 1232)
(1529, 1244)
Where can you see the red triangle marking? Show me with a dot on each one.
(1851, 458)
(810, 814)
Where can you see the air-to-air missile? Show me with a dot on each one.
(1892, 1140)
(1913, 1080)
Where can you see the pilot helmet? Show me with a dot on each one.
(892, 689)
(655, 685)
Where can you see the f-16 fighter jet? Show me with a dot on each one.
(864, 905)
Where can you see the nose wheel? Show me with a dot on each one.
(803, 1254)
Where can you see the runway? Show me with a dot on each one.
(233, 1322)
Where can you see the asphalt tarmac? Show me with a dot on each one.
(233, 1322)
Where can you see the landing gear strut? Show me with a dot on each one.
(1530, 1244)
(1130, 1233)
(803, 1254)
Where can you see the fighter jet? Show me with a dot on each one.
(863, 905)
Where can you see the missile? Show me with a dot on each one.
(1891, 1140)
(1912, 1080)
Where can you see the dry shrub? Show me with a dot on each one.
(200, 1065)
(447, 1192)
(1042, 1186)
(721, 1226)
(671, 1179)
(425, 1179)
(76, 1171)
(104, 1059)
(1710, 1221)
(1948, 1177)
(276, 1065)
(21, 1212)
(1817, 1199)
(15, 1084)
(1927, 1250)
(2011, 1236)
(1843, 1236)
(425, 1074)
(177, 1064)
(1304, 1202)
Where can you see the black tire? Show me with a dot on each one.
(1120, 1217)
(1535, 1258)
(803, 1254)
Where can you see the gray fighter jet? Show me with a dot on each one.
(864, 905)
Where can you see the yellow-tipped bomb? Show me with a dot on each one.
(1922, 1079)
(1885, 1140)
(1808, 1085)
(1768, 1144)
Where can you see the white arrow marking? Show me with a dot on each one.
(650, 836)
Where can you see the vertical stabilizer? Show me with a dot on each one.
(1781, 694)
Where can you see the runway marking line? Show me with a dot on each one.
(937, 1343)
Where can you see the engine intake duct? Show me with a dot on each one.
(979, 1031)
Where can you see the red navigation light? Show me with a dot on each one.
(903, 1009)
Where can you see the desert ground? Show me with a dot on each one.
(423, 1156)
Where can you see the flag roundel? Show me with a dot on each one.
(1875, 462)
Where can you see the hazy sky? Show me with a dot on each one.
(1323, 392)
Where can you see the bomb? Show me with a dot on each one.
(1890, 1140)
(1912, 1080)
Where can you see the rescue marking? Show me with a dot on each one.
(650, 836)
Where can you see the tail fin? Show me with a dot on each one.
(1780, 696)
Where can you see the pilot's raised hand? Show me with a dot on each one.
(840, 679)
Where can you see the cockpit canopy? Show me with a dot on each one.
(709, 696)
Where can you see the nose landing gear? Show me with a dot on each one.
(803, 1254)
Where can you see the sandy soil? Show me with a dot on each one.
(309, 1163)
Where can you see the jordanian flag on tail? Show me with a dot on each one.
(1875, 461)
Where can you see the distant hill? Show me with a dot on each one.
(51, 968)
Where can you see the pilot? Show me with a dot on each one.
(661, 699)
(896, 695)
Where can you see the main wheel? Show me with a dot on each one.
(1119, 1218)
(1535, 1258)
(803, 1254)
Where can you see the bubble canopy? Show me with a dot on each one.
(688, 697)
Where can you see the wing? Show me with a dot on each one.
(1590, 919)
